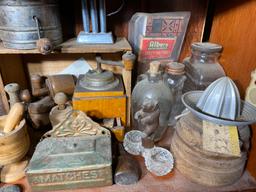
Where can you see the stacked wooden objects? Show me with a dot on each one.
(211, 142)
(201, 166)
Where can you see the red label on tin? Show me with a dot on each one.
(156, 48)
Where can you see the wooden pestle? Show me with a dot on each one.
(14, 117)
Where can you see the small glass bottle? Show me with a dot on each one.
(203, 67)
(152, 87)
(175, 77)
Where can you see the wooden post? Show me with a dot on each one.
(128, 60)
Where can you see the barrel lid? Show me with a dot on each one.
(206, 47)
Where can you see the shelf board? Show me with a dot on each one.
(174, 181)
(71, 46)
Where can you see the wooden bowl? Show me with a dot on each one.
(13, 145)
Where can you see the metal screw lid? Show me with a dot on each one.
(175, 68)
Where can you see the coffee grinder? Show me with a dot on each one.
(101, 93)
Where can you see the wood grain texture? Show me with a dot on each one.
(102, 107)
(15, 145)
(12, 70)
(174, 181)
(72, 46)
(234, 28)
(4, 104)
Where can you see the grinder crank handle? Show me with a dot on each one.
(44, 45)
(127, 62)
(38, 89)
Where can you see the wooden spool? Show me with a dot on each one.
(14, 145)
(200, 166)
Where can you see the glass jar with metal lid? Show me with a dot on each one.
(202, 67)
(175, 77)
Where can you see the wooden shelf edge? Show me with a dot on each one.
(71, 46)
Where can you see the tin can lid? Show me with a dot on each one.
(175, 68)
(206, 47)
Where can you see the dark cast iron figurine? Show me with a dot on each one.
(148, 117)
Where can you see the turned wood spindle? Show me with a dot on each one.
(13, 90)
(61, 99)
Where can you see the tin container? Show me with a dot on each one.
(18, 28)
(71, 163)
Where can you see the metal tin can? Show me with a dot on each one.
(18, 29)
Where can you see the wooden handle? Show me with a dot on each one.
(14, 117)
(44, 46)
(37, 88)
(128, 60)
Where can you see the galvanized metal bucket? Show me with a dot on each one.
(18, 27)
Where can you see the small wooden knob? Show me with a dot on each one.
(12, 87)
(25, 96)
(37, 86)
(44, 46)
(36, 80)
(13, 91)
(128, 60)
(61, 99)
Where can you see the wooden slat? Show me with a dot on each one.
(71, 46)
(234, 28)
(172, 182)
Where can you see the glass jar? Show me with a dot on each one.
(175, 77)
(203, 67)
(152, 88)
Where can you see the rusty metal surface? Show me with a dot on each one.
(18, 29)
(71, 162)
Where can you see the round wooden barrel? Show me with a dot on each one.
(204, 167)
(14, 145)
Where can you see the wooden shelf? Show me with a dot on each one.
(174, 181)
(71, 46)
